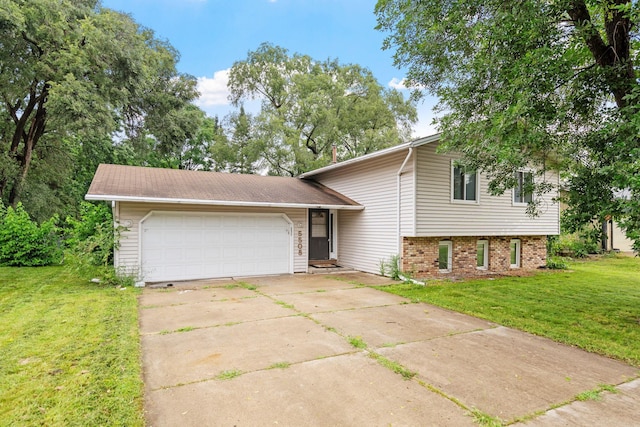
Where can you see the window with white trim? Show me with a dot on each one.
(514, 253)
(464, 183)
(522, 192)
(482, 255)
(445, 256)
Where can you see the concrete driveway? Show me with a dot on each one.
(288, 351)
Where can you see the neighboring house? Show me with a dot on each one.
(405, 200)
(615, 238)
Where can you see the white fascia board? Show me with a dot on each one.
(219, 202)
(386, 151)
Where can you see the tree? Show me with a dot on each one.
(238, 151)
(308, 106)
(73, 72)
(532, 83)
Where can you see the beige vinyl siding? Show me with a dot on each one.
(620, 240)
(128, 257)
(438, 215)
(366, 237)
(407, 199)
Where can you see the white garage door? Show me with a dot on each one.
(179, 246)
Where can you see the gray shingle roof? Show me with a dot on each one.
(133, 183)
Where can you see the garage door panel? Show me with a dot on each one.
(177, 246)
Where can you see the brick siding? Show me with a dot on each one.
(420, 255)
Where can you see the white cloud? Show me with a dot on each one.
(213, 91)
(396, 83)
(401, 84)
(425, 126)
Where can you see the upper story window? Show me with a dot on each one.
(465, 183)
(522, 192)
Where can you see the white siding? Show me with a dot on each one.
(128, 257)
(366, 237)
(437, 215)
(407, 198)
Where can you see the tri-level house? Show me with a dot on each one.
(405, 202)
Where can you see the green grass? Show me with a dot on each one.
(280, 365)
(595, 305)
(69, 351)
(357, 342)
(596, 393)
(285, 305)
(228, 375)
(394, 366)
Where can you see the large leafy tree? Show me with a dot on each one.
(308, 106)
(72, 74)
(237, 150)
(533, 83)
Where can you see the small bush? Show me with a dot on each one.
(24, 243)
(557, 263)
(92, 236)
(91, 240)
(391, 267)
(572, 245)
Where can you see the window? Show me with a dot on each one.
(444, 256)
(522, 193)
(464, 184)
(482, 255)
(514, 253)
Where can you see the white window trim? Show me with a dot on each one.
(452, 190)
(333, 214)
(485, 261)
(449, 244)
(513, 190)
(518, 253)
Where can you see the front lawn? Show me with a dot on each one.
(69, 351)
(595, 305)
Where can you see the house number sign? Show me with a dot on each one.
(300, 242)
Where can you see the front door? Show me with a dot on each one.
(318, 234)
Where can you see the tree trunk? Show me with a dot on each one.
(614, 54)
(29, 138)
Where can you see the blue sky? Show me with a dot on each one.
(212, 34)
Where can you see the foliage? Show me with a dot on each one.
(25, 243)
(541, 84)
(391, 267)
(69, 351)
(594, 306)
(92, 235)
(91, 241)
(308, 106)
(557, 263)
(577, 245)
(63, 59)
(236, 151)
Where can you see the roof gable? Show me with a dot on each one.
(381, 153)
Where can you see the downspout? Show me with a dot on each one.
(115, 212)
(399, 200)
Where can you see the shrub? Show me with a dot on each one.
(24, 243)
(92, 237)
(557, 263)
(391, 267)
(573, 245)
(91, 240)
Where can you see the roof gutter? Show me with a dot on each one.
(220, 202)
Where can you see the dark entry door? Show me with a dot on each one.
(318, 234)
